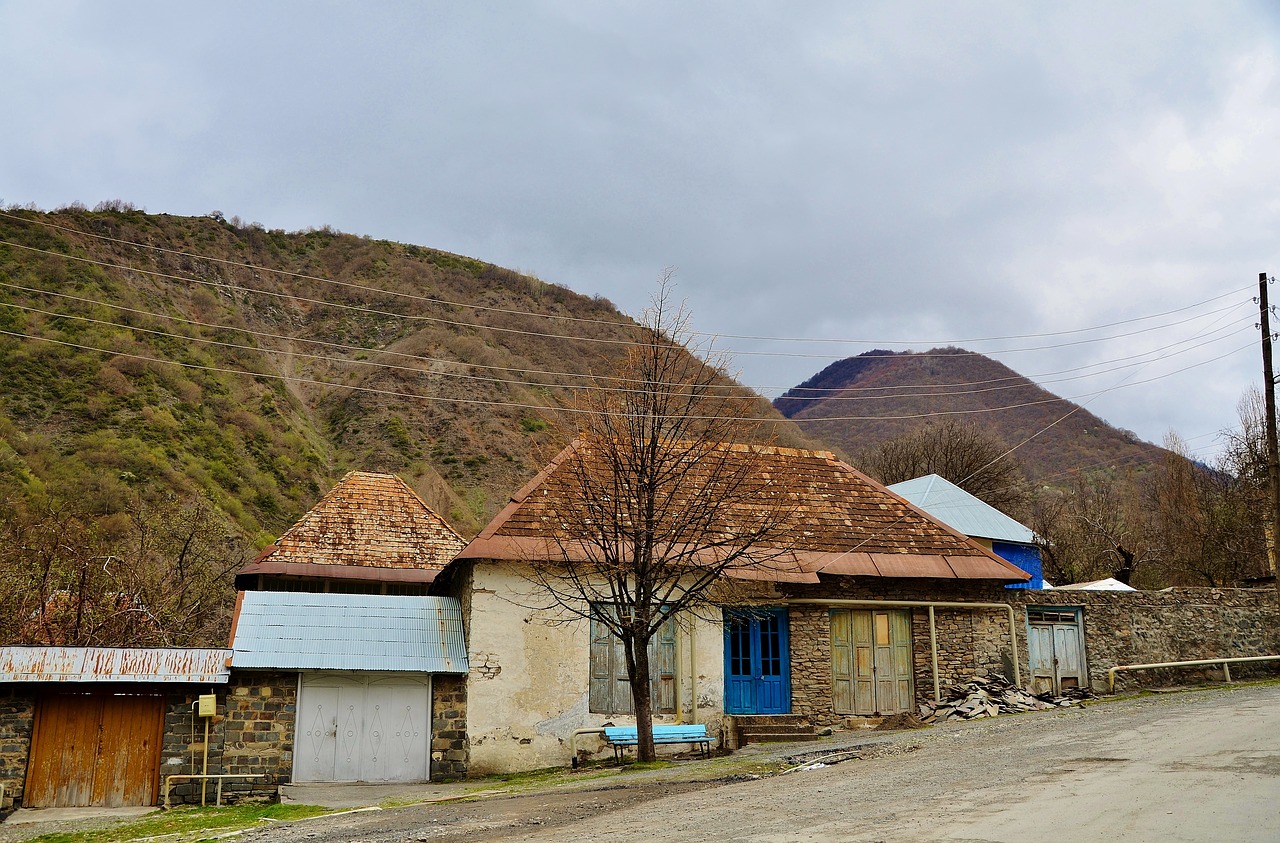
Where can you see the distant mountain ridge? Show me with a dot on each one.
(892, 393)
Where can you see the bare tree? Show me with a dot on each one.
(155, 575)
(959, 452)
(659, 502)
(1095, 529)
(1208, 520)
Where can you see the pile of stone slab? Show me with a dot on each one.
(987, 696)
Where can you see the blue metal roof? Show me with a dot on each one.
(301, 631)
(961, 511)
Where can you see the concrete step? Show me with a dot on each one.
(761, 728)
(778, 737)
(754, 719)
(776, 728)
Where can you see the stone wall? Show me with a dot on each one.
(17, 716)
(182, 746)
(810, 633)
(251, 732)
(1119, 628)
(970, 641)
(450, 749)
(1180, 624)
(260, 710)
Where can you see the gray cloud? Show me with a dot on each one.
(910, 173)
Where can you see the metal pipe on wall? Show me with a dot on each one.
(933, 652)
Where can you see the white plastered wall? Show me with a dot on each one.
(527, 689)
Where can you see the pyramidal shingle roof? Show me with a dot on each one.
(369, 526)
(848, 523)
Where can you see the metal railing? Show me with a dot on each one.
(168, 783)
(1226, 669)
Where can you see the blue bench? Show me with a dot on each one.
(696, 734)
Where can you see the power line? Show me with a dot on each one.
(1019, 380)
(1023, 384)
(409, 395)
(302, 276)
(474, 326)
(515, 312)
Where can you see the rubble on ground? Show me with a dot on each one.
(896, 722)
(987, 696)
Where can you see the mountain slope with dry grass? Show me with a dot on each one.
(149, 356)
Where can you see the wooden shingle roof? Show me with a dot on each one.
(846, 523)
(369, 526)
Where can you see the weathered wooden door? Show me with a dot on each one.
(871, 671)
(757, 662)
(95, 750)
(1054, 649)
(373, 727)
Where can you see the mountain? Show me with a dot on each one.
(156, 358)
(889, 394)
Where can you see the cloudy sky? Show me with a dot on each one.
(836, 176)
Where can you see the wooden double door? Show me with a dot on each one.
(95, 750)
(871, 666)
(1055, 649)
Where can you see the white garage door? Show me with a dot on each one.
(363, 727)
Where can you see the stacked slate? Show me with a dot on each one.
(987, 696)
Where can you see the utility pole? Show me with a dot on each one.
(1273, 451)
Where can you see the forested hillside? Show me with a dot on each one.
(152, 362)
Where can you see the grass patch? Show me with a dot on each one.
(639, 766)
(188, 823)
(528, 777)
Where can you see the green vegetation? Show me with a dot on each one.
(533, 425)
(201, 375)
(188, 823)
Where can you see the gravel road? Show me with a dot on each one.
(1195, 766)
(1176, 767)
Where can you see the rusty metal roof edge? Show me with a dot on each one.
(165, 665)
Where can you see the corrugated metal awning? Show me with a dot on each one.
(289, 630)
(204, 666)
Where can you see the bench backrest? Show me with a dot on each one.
(689, 732)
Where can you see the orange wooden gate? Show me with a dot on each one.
(99, 750)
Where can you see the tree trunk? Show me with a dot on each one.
(641, 696)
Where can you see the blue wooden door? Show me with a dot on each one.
(757, 669)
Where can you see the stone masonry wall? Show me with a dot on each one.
(1180, 624)
(261, 710)
(1119, 628)
(251, 732)
(17, 716)
(969, 640)
(810, 635)
(450, 749)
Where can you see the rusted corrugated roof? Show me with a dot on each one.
(369, 526)
(290, 630)
(114, 664)
(844, 523)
